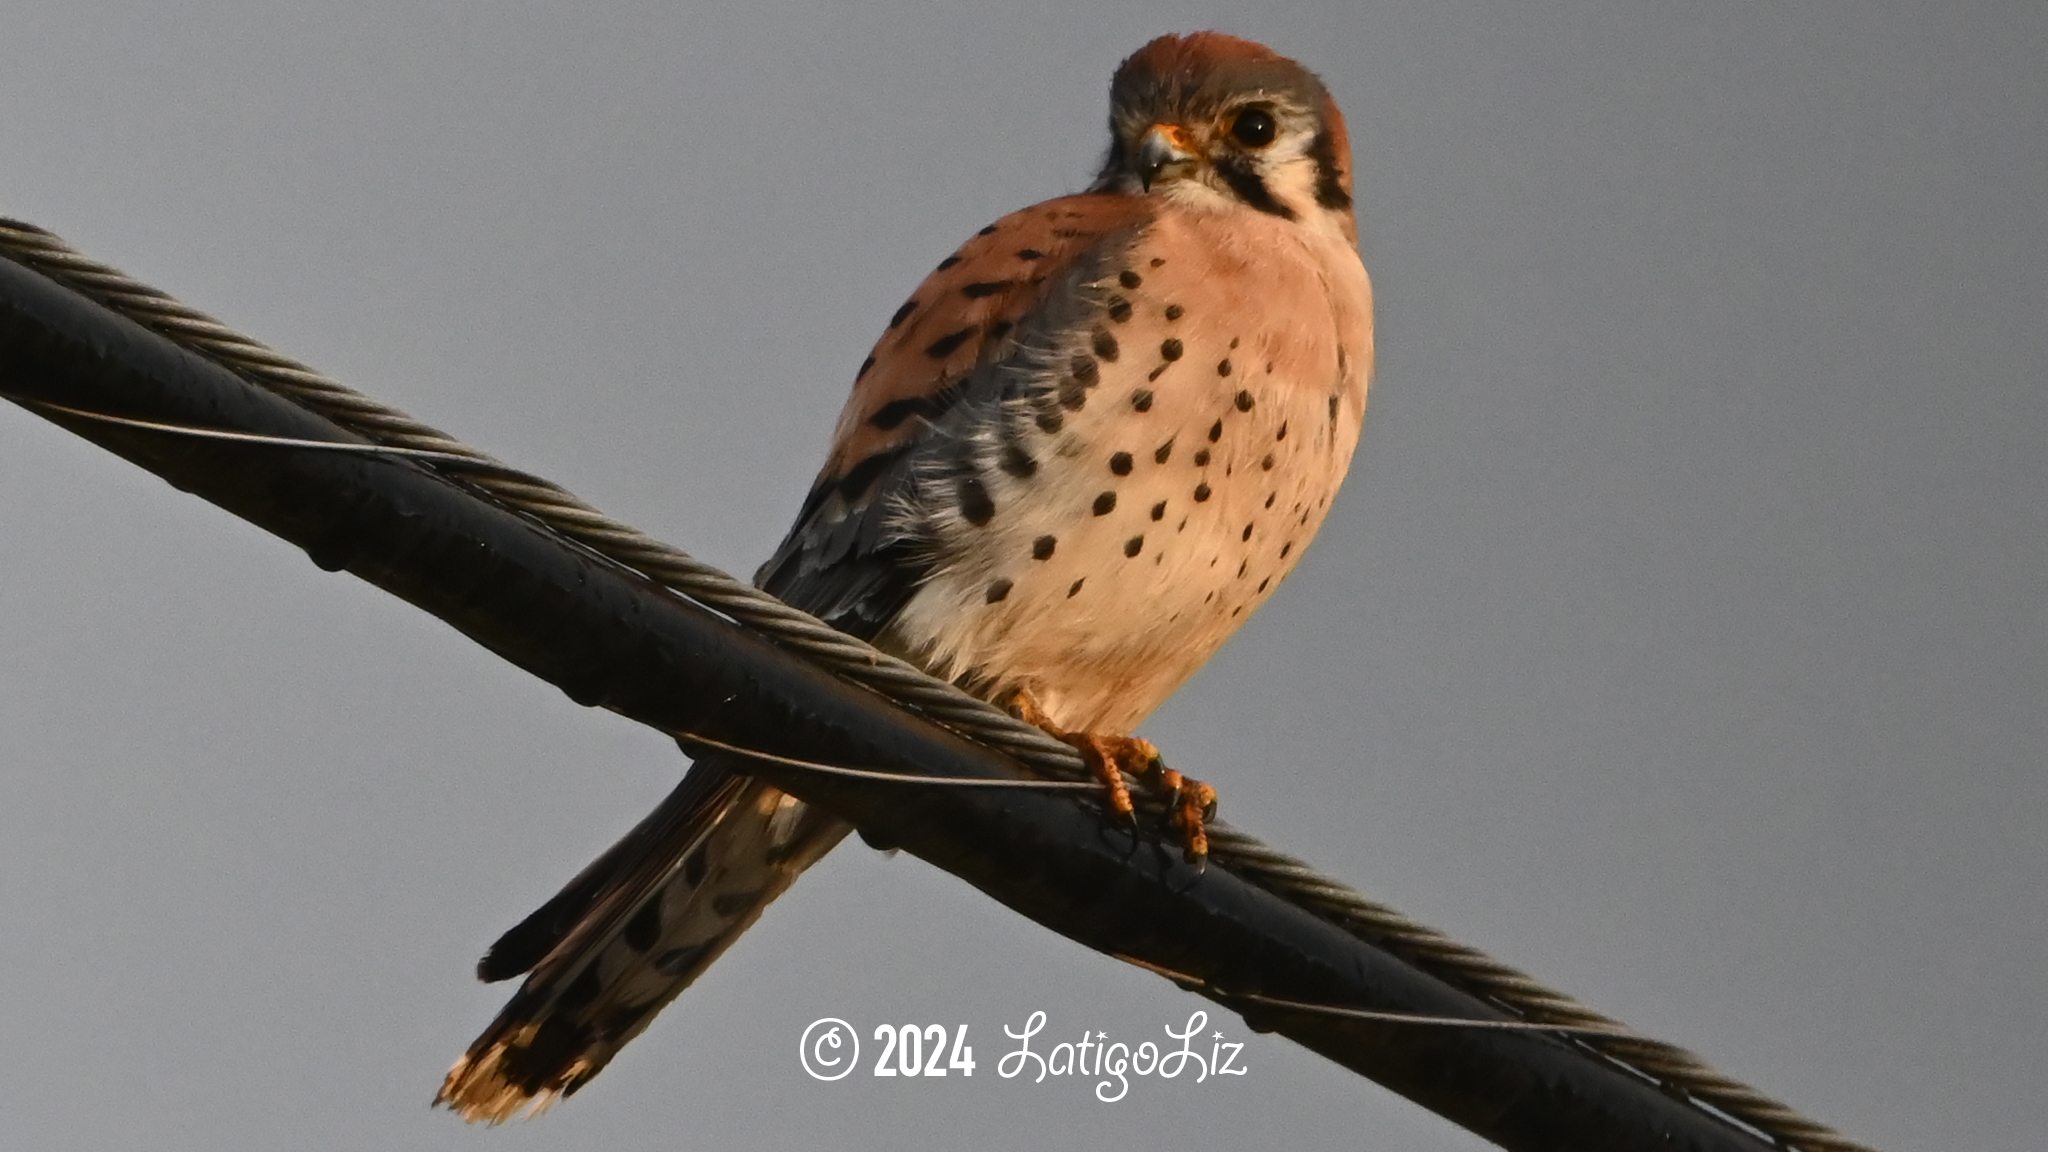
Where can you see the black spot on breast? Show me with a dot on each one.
(1158, 261)
(1073, 394)
(1165, 450)
(1215, 431)
(1201, 493)
(1105, 504)
(946, 345)
(903, 313)
(1142, 400)
(1282, 433)
(1269, 367)
(974, 502)
(948, 262)
(1263, 583)
(981, 288)
(1174, 311)
(1017, 462)
(1154, 374)
(1170, 349)
(1233, 343)
(1041, 548)
(1269, 498)
(1120, 463)
(1223, 369)
(1050, 421)
(1119, 309)
(1242, 565)
(864, 366)
(998, 330)
(1201, 457)
(1129, 279)
(1030, 254)
(1266, 465)
(644, 928)
(1333, 408)
(1286, 548)
(1247, 533)
(998, 590)
(1105, 345)
(1075, 587)
(988, 231)
(1245, 401)
(1134, 545)
(1159, 510)
(1085, 370)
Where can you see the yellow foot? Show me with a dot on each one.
(1191, 804)
(1194, 805)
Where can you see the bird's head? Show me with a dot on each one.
(1210, 120)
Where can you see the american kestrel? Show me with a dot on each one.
(1083, 452)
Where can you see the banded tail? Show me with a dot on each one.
(629, 933)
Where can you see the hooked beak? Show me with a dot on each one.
(1162, 146)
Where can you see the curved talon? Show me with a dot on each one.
(1194, 806)
(1190, 803)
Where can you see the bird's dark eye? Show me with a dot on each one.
(1254, 128)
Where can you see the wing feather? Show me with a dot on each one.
(856, 555)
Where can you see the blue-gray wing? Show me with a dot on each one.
(960, 357)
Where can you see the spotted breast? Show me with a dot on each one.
(1092, 508)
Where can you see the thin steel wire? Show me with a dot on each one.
(691, 738)
(1676, 1070)
(1197, 984)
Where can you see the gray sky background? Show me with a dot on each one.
(1680, 635)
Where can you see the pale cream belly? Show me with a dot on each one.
(1155, 481)
(1135, 550)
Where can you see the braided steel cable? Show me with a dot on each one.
(1674, 1069)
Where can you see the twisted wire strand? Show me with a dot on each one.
(1673, 1069)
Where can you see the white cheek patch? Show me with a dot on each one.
(1204, 194)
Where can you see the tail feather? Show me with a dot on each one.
(629, 933)
(684, 815)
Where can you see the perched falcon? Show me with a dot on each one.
(1085, 450)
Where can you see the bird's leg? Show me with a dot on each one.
(1106, 756)
(1192, 803)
